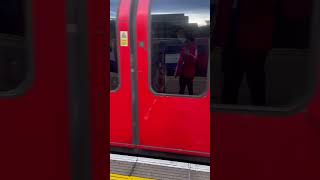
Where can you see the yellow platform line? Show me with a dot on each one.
(122, 177)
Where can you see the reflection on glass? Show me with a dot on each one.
(113, 51)
(13, 65)
(180, 46)
(260, 51)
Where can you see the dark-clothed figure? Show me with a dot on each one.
(244, 29)
(187, 63)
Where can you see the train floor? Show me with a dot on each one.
(137, 168)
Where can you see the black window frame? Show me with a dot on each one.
(27, 82)
(301, 102)
(206, 91)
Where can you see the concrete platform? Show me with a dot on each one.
(138, 168)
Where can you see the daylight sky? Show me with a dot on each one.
(197, 10)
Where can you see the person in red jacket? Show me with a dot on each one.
(244, 30)
(187, 63)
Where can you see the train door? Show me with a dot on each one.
(264, 115)
(34, 90)
(171, 53)
(95, 166)
(120, 74)
(46, 124)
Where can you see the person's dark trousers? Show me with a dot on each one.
(235, 64)
(186, 82)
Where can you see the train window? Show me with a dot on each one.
(113, 51)
(180, 33)
(13, 49)
(261, 52)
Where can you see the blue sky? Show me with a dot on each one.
(180, 5)
(113, 7)
(197, 10)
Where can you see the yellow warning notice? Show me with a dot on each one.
(123, 38)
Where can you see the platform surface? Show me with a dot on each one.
(139, 168)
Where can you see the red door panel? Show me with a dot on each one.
(35, 126)
(265, 148)
(121, 99)
(99, 99)
(168, 123)
(254, 146)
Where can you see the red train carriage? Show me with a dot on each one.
(265, 113)
(148, 112)
(258, 121)
(50, 128)
(265, 126)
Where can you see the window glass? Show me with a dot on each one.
(13, 60)
(180, 32)
(113, 51)
(260, 52)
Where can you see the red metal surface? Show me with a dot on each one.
(175, 151)
(97, 11)
(35, 127)
(171, 122)
(272, 147)
(267, 147)
(120, 101)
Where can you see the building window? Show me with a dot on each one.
(14, 62)
(260, 52)
(113, 51)
(180, 33)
